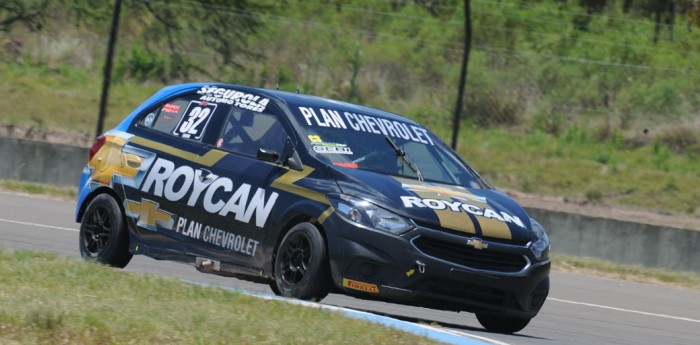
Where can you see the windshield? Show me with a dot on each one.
(369, 142)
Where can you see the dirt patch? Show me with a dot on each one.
(602, 210)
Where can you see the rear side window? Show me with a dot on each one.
(247, 131)
(184, 117)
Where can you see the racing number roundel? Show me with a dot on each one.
(194, 121)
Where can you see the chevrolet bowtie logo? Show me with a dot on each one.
(477, 243)
(148, 215)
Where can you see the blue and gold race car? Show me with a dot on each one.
(311, 196)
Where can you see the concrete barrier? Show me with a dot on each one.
(574, 234)
(621, 241)
(36, 161)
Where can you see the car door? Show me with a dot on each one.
(240, 201)
(170, 140)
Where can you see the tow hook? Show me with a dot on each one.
(421, 266)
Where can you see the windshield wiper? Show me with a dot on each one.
(402, 154)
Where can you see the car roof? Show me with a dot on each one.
(292, 99)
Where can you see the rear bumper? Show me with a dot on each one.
(83, 191)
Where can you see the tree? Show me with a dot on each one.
(31, 14)
(664, 11)
(221, 25)
(593, 6)
(463, 74)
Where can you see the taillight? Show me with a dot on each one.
(99, 141)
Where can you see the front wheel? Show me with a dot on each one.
(301, 265)
(103, 234)
(501, 323)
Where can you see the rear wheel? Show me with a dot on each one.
(501, 323)
(301, 265)
(103, 234)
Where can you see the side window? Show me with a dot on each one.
(246, 131)
(182, 117)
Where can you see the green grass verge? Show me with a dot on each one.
(636, 273)
(38, 189)
(581, 168)
(45, 299)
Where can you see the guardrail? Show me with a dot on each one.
(574, 234)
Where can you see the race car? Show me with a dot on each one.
(310, 196)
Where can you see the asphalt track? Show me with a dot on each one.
(580, 309)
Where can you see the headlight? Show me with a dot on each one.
(541, 246)
(365, 213)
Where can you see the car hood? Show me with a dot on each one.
(483, 212)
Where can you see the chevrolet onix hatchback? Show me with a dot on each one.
(310, 196)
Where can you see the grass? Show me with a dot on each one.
(636, 273)
(45, 299)
(64, 98)
(86, 303)
(38, 189)
(591, 171)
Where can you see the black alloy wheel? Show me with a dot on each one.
(501, 323)
(97, 229)
(301, 264)
(103, 234)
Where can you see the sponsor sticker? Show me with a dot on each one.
(459, 207)
(360, 286)
(171, 108)
(217, 194)
(234, 97)
(149, 215)
(149, 119)
(219, 237)
(328, 148)
(330, 118)
(315, 139)
(346, 165)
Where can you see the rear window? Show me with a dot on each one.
(184, 117)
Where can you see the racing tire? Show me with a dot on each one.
(301, 267)
(103, 234)
(501, 323)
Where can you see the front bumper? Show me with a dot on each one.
(436, 269)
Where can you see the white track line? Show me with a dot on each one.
(493, 341)
(624, 310)
(39, 225)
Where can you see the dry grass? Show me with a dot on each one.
(635, 273)
(45, 299)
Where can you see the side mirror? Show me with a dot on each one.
(294, 162)
(291, 156)
(267, 155)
